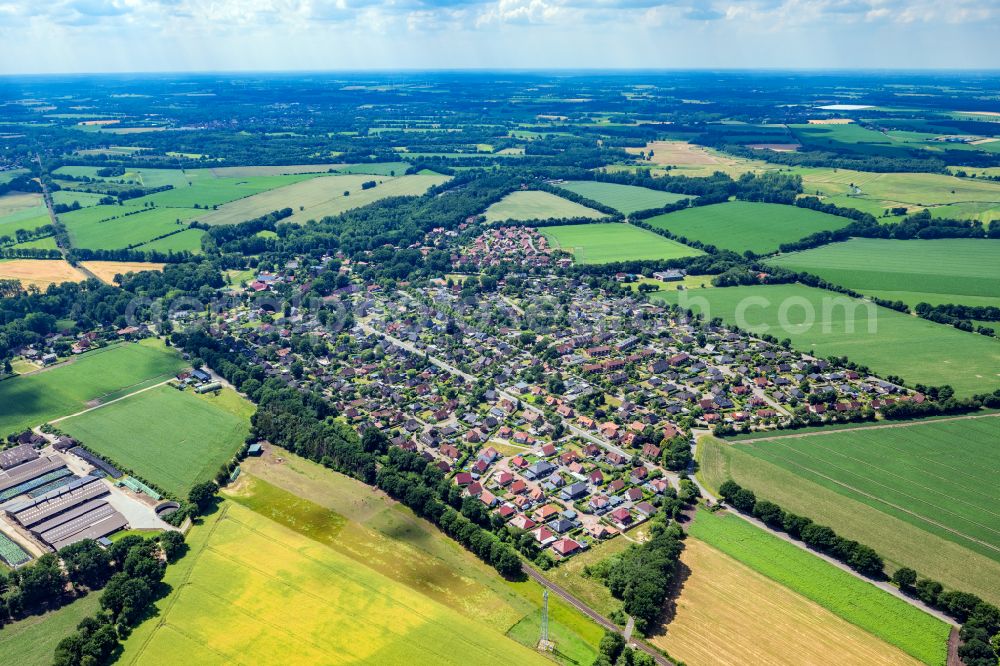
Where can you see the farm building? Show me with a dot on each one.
(16, 456)
(71, 513)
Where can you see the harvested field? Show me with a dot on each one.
(859, 602)
(106, 270)
(762, 623)
(39, 272)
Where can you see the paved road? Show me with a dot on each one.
(594, 615)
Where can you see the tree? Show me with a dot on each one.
(866, 561)
(374, 441)
(612, 645)
(86, 563)
(173, 545)
(904, 577)
(202, 494)
(769, 513)
(728, 490)
(744, 500)
(126, 598)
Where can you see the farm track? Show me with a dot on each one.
(815, 433)
(891, 589)
(47, 196)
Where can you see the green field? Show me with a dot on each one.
(742, 226)
(951, 270)
(377, 168)
(98, 228)
(99, 375)
(21, 211)
(188, 240)
(861, 603)
(601, 243)
(537, 205)
(171, 438)
(625, 199)
(889, 342)
(901, 542)
(320, 197)
(32, 641)
(937, 476)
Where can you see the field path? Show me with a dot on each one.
(47, 196)
(111, 402)
(816, 433)
(594, 615)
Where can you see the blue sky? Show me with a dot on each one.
(198, 35)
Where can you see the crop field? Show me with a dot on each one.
(937, 476)
(254, 588)
(742, 226)
(39, 272)
(97, 376)
(729, 614)
(689, 159)
(14, 202)
(387, 537)
(537, 205)
(21, 211)
(625, 199)
(824, 323)
(154, 434)
(900, 542)
(125, 231)
(286, 170)
(377, 169)
(106, 270)
(320, 197)
(948, 270)
(601, 243)
(32, 641)
(188, 240)
(862, 604)
(85, 199)
(207, 191)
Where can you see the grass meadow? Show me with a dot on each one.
(171, 438)
(889, 342)
(601, 243)
(537, 205)
(901, 540)
(100, 375)
(320, 197)
(625, 199)
(948, 270)
(742, 226)
(105, 227)
(862, 604)
(32, 641)
(730, 615)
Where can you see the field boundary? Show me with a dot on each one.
(814, 433)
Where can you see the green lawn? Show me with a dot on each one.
(99, 375)
(861, 603)
(537, 205)
(624, 198)
(889, 342)
(902, 540)
(742, 226)
(601, 243)
(171, 438)
(953, 270)
(32, 641)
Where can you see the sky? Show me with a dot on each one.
(81, 36)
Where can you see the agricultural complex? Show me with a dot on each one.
(623, 198)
